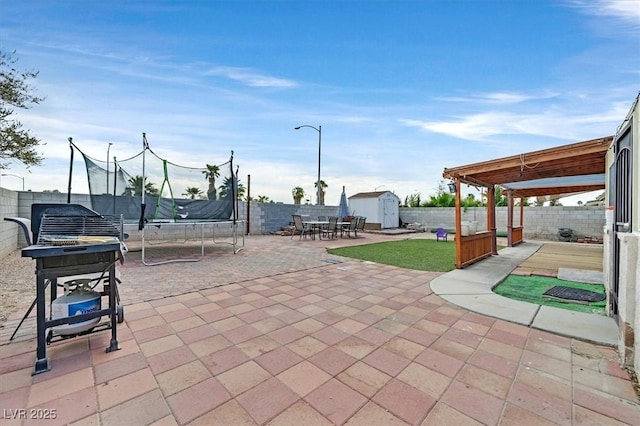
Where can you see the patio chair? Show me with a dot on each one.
(348, 229)
(441, 234)
(360, 226)
(300, 227)
(331, 230)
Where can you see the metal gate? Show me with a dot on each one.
(622, 200)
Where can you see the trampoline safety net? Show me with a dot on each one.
(172, 192)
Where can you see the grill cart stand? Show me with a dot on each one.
(53, 262)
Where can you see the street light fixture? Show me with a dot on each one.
(19, 177)
(319, 130)
(108, 148)
(376, 188)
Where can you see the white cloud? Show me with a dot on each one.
(550, 123)
(627, 11)
(250, 78)
(499, 97)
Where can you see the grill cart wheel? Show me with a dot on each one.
(120, 313)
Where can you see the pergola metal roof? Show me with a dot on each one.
(556, 185)
(577, 159)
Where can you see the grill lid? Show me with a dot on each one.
(71, 230)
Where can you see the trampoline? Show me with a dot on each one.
(141, 189)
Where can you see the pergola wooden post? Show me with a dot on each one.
(510, 218)
(491, 217)
(515, 234)
(458, 224)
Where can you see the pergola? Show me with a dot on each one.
(565, 169)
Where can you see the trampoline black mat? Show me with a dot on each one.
(573, 294)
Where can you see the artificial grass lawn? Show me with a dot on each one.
(420, 254)
(530, 289)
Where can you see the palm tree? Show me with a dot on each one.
(263, 199)
(298, 194)
(225, 189)
(501, 200)
(211, 174)
(413, 200)
(323, 186)
(135, 187)
(470, 201)
(555, 200)
(192, 192)
(241, 191)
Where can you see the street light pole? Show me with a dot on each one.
(19, 177)
(108, 148)
(319, 130)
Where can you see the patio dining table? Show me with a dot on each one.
(317, 225)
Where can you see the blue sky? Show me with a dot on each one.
(402, 89)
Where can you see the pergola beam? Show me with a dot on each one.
(569, 160)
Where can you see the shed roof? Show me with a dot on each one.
(373, 194)
(552, 164)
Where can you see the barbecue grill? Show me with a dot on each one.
(73, 240)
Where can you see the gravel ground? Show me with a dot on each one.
(17, 284)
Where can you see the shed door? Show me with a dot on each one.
(390, 213)
(622, 205)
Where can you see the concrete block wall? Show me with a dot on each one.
(9, 232)
(18, 203)
(265, 218)
(540, 223)
(29, 197)
(544, 222)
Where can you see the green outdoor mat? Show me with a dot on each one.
(531, 289)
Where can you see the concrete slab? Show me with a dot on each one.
(487, 275)
(581, 275)
(589, 327)
(496, 306)
(448, 284)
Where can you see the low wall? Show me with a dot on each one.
(264, 218)
(540, 223)
(8, 231)
(18, 203)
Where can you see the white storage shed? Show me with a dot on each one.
(382, 209)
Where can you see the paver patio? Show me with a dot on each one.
(278, 335)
